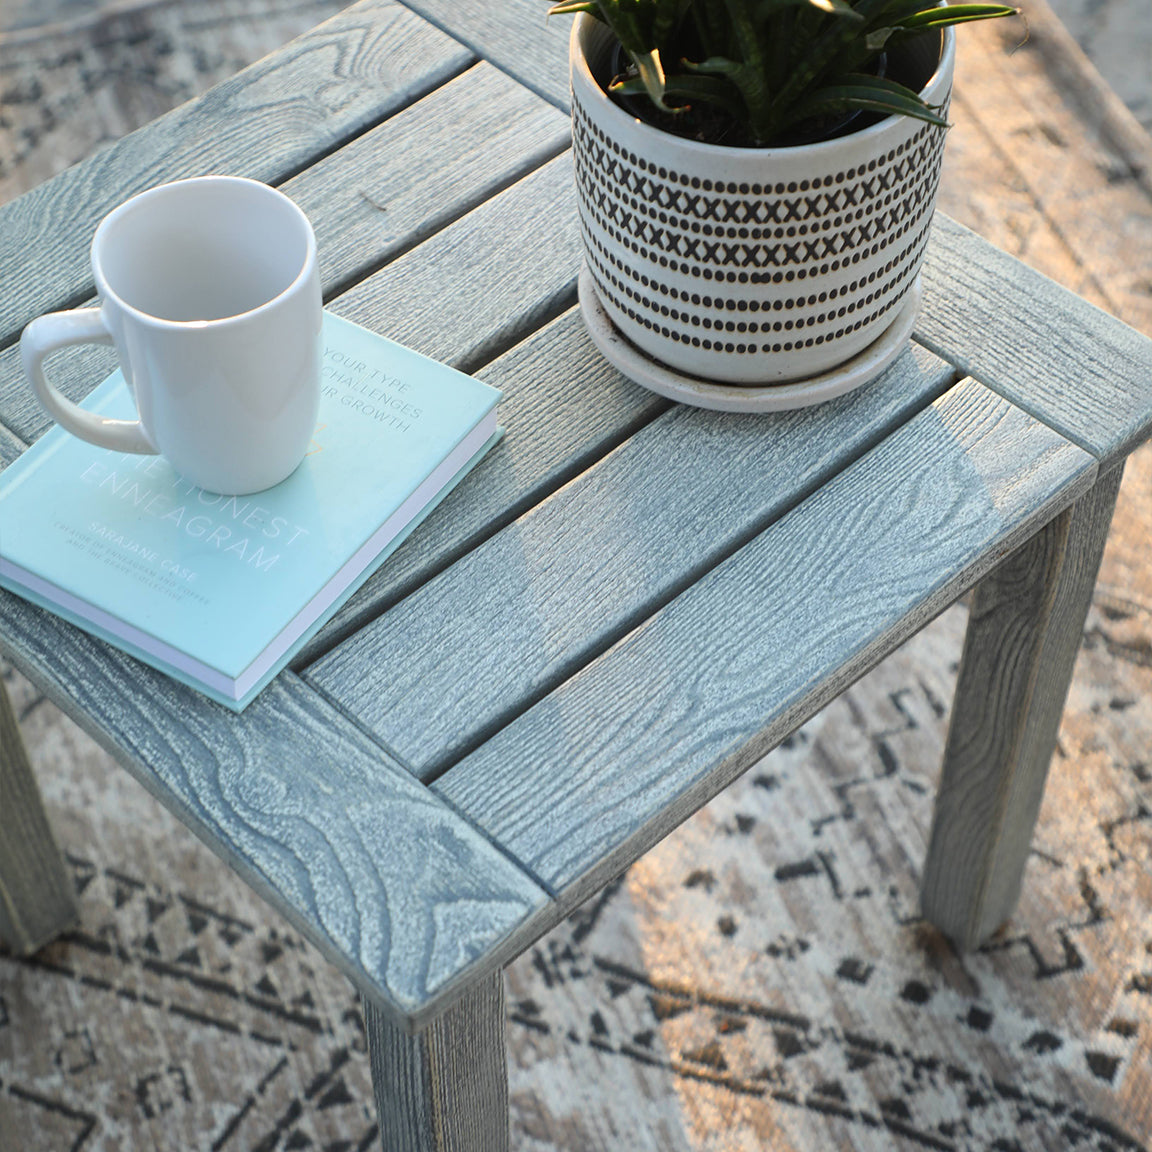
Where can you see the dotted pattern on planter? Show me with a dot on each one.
(773, 266)
(758, 255)
(622, 292)
(742, 331)
(816, 232)
(769, 302)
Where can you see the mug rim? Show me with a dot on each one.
(106, 291)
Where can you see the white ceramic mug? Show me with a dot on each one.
(210, 291)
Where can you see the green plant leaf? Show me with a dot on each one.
(956, 14)
(652, 74)
(691, 89)
(632, 22)
(768, 8)
(720, 65)
(867, 93)
(570, 7)
(752, 78)
(836, 8)
(896, 11)
(819, 60)
(769, 63)
(669, 15)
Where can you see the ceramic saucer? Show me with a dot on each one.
(659, 378)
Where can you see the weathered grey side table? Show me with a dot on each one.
(623, 608)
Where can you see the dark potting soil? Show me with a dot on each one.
(911, 64)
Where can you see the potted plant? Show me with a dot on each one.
(756, 180)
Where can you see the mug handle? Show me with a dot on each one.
(57, 330)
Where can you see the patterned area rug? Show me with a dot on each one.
(761, 980)
(77, 75)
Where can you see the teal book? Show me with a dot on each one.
(221, 591)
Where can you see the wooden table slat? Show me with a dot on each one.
(438, 158)
(486, 282)
(378, 196)
(10, 446)
(564, 407)
(598, 771)
(1078, 369)
(393, 887)
(516, 35)
(280, 113)
(504, 625)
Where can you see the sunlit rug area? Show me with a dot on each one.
(760, 981)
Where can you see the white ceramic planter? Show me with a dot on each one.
(750, 265)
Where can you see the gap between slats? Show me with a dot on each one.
(355, 722)
(1033, 408)
(87, 297)
(694, 749)
(471, 365)
(344, 141)
(629, 624)
(514, 176)
(537, 145)
(82, 299)
(437, 766)
(497, 524)
(20, 444)
(522, 76)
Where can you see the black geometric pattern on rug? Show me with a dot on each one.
(178, 955)
(879, 1030)
(221, 1011)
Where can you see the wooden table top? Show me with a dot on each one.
(628, 602)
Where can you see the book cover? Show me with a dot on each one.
(220, 591)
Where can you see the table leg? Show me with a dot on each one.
(36, 893)
(445, 1089)
(1024, 632)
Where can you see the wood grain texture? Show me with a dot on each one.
(391, 885)
(593, 775)
(511, 620)
(564, 407)
(266, 122)
(75, 372)
(10, 446)
(396, 185)
(1076, 368)
(446, 1088)
(36, 897)
(518, 36)
(493, 277)
(378, 196)
(1024, 632)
